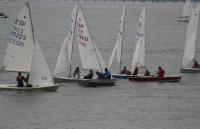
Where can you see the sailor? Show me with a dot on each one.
(160, 72)
(77, 72)
(107, 74)
(125, 71)
(90, 75)
(100, 75)
(20, 79)
(135, 71)
(146, 73)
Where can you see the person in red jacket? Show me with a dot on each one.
(20, 79)
(160, 72)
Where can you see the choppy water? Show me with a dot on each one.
(129, 105)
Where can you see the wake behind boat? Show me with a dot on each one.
(23, 54)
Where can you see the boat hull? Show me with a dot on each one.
(97, 82)
(121, 76)
(153, 78)
(190, 70)
(65, 80)
(5, 16)
(184, 19)
(13, 87)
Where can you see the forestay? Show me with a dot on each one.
(89, 53)
(191, 38)
(117, 50)
(187, 9)
(139, 54)
(20, 44)
(39, 74)
(67, 44)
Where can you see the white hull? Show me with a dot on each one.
(183, 19)
(13, 87)
(190, 70)
(65, 79)
(5, 16)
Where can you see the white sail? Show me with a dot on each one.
(71, 32)
(61, 65)
(39, 74)
(187, 9)
(118, 45)
(89, 53)
(20, 44)
(139, 54)
(191, 38)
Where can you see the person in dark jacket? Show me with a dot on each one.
(107, 74)
(90, 75)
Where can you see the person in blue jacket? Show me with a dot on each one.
(107, 74)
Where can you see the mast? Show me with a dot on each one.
(197, 38)
(31, 21)
(120, 64)
(70, 66)
(145, 35)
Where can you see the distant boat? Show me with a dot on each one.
(89, 53)
(23, 54)
(191, 43)
(61, 74)
(140, 53)
(186, 13)
(2, 15)
(117, 50)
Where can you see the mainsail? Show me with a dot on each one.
(191, 38)
(20, 46)
(139, 54)
(117, 50)
(67, 44)
(89, 53)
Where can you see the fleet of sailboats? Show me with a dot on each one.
(191, 43)
(186, 13)
(23, 54)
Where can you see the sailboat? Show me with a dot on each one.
(117, 50)
(140, 55)
(89, 53)
(23, 54)
(187, 10)
(191, 43)
(61, 70)
(2, 15)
